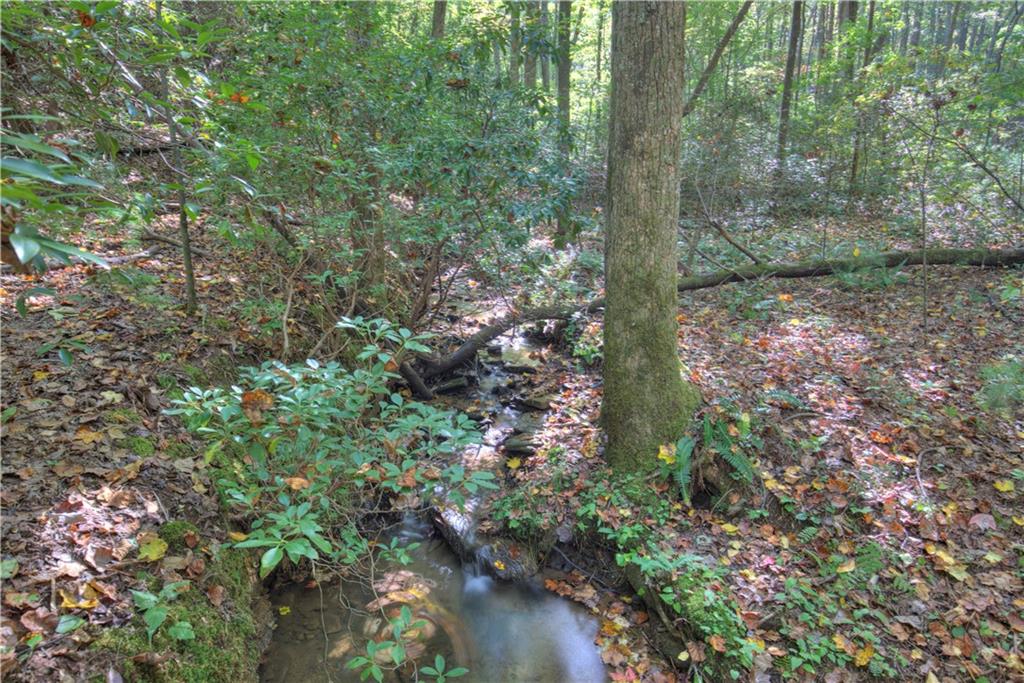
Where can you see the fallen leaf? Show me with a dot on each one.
(514, 463)
(151, 547)
(87, 436)
(297, 483)
(216, 595)
(864, 655)
(1004, 485)
(847, 566)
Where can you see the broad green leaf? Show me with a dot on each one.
(26, 248)
(181, 630)
(68, 623)
(270, 560)
(29, 168)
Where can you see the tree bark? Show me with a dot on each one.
(787, 87)
(437, 24)
(515, 45)
(530, 46)
(564, 70)
(646, 400)
(545, 56)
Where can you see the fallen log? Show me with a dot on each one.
(984, 258)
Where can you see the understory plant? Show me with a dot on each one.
(304, 450)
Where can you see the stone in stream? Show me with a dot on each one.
(539, 401)
(501, 558)
(519, 446)
(453, 384)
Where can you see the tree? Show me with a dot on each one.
(437, 24)
(564, 69)
(787, 86)
(646, 400)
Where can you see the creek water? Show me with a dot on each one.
(502, 632)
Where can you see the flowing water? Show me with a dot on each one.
(501, 632)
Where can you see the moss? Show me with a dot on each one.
(179, 450)
(226, 646)
(124, 416)
(174, 533)
(196, 375)
(141, 446)
(167, 381)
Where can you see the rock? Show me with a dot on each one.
(517, 446)
(453, 384)
(521, 369)
(539, 401)
(494, 350)
(527, 424)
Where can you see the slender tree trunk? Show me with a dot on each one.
(787, 87)
(564, 69)
(716, 56)
(181, 179)
(515, 44)
(530, 46)
(545, 55)
(646, 400)
(437, 24)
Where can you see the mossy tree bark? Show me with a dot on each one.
(646, 400)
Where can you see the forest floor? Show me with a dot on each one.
(882, 534)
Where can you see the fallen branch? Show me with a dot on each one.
(985, 258)
(153, 237)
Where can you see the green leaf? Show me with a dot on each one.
(25, 248)
(144, 600)
(24, 142)
(62, 248)
(80, 181)
(456, 672)
(29, 168)
(8, 568)
(153, 549)
(19, 304)
(68, 623)
(65, 357)
(154, 618)
(270, 559)
(181, 630)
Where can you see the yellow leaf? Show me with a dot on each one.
(297, 483)
(69, 601)
(730, 528)
(237, 536)
(683, 656)
(514, 463)
(785, 297)
(1019, 521)
(40, 375)
(795, 321)
(284, 610)
(864, 655)
(847, 566)
(1004, 485)
(86, 435)
(667, 453)
(151, 547)
(844, 644)
(499, 565)
(856, 252)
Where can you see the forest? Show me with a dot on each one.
(512, 341)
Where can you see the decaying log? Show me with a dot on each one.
(984, 258)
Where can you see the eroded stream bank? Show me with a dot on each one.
(455, 584)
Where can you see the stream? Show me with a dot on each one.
(503, 632)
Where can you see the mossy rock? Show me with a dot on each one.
(228, 639)
(141, 446)
(174, 533)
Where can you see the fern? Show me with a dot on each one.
(807, 534)
(739, 462)
(684, 462)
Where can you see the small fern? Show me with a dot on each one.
(684, 465)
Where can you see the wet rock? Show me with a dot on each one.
(521, 369)
(527, 424)
(501, 558)
(453, 384)
(494, 350)
(519, 446)
(538, 401)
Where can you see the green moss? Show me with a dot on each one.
(167, 381)
(226, 645)
(174, 533)
(196, 375)
(179, 450)
(141, 446)
(123, 415)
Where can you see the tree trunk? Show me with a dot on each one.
(646, 400)
(437, 25)
(530, 46)
(787, 86)
(716, 56)
(545, 56)
(564, 68)
(515, 45)
(186, 241)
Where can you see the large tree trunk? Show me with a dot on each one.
(787, 87)
(545, 55)
(646, 400)
(437, 25)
